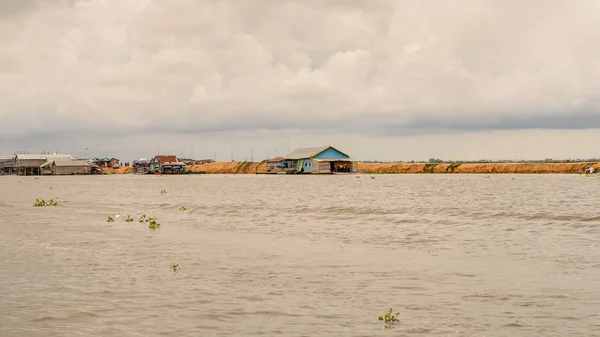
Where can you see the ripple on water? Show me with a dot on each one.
(318, 256)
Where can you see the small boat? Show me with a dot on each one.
(591, 172)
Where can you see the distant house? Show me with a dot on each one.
(324, 159)
(69, 167)
(31, 164)
(274, 164)
(7, 165)
(141, 165)
(166, 165)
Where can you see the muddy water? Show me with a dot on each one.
(508, 255)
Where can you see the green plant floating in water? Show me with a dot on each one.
(163, 191)
(389, 317)
(110, 219)
(42, 202)
(175, 267)
(182, 208)
(153, 224)
(129, 219)
(143, 218)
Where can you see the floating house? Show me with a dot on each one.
(7, 165)
(166, 165)
(31, 164)
(274, 164)
(321, 160)
(47, 164)
(141, 165)
(70, 167)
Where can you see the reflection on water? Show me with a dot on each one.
(512, 255)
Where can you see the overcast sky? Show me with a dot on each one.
(386, 80)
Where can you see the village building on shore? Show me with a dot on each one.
(315, 160)
(141, 165)
(7, 165)
(166, 165)
(274, 164)
(46, 164)
(68, 167)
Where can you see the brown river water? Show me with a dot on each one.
(455, 255)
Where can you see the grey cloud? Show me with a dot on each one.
(16, 7)
(111, 68)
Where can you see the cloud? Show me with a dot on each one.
(110, 68)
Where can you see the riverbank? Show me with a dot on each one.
(392, 168)
(489, 168)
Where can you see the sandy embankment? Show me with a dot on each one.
(474, 167)
(120, 170)
(229, 167)
(382, 168)
(219, 167)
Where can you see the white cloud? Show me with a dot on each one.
(96, 67)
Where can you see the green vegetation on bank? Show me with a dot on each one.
(452, 167)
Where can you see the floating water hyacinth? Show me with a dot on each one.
(42, 202)
(110, 219)
(182, 208)
(163, 191)
(153, 224)
(129, 219)
(175, 267)
(389, 317)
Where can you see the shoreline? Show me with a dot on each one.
(400, 168)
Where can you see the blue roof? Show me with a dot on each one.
(321, 152)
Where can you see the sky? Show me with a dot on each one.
(250, 79)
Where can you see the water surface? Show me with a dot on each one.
(456, 255)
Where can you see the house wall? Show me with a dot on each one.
(289, 163)
(274, 166)
(324, 167)
(308, 165)
(66, 170)
(331, 153)
(154, 167)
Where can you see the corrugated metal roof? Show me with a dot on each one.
(166, 160)
(49, 157)
(310, 152)
(306, 152)
(25, 156)
(67, 163)
(332, 160)
(275, 160)
(6, 158)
